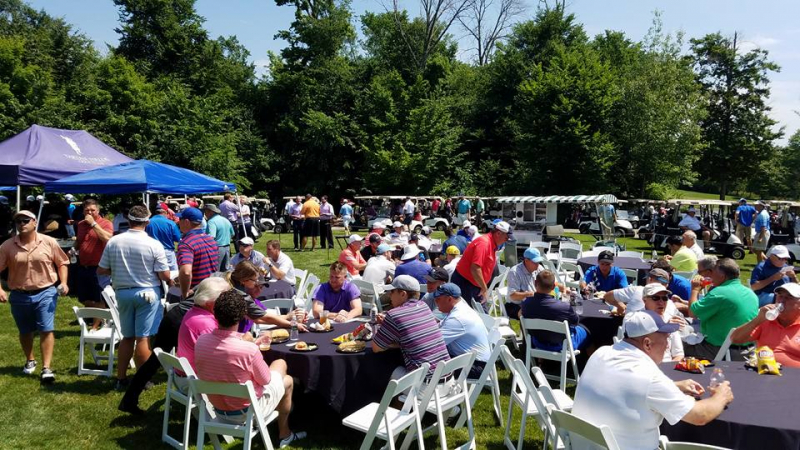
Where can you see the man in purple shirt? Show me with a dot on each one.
(411, 265)
(325, 217)
(338, 296)
(230, 210)
(411, 327)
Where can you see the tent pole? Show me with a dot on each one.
(39, 216)
(19, 198)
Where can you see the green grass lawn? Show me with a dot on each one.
(693, 195)
(81, 412)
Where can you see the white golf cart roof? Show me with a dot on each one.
(385, 197)
(601, 198)
(700, 202)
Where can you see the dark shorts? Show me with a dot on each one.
(311, 227)
(87, 287)
(407, 219)
(34, 312)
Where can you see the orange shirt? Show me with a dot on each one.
(349, 258)
(32, 267)
(784, 341)
(310, 208)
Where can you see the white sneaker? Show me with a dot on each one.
(29, 367)
(295, 436)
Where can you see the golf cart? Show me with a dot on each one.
(782, 222)
(436, 222)
(622, 226)
(389, 209)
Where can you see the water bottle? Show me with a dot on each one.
(773, 313)
(373, 316)
(578, 305)
(717, 378)
(293, 334)
(654, 255)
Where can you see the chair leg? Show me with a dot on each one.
(470, 424)
(521, 439)
(81, 357)
(507, 437)
(201, 429)
(496, 397)
(111, 361)
(165, 421)
(187, 422)
(442, 435)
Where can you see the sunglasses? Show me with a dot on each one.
(659, 298)
(22, 221)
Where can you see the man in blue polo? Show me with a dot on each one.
(605, 275)
(222, 231)
(166, 232)
(463, 330)
(745, 214)
(772, 273)
(761, 225)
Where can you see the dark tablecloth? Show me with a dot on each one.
(603, 327)
(345, 381)
(763, 414)
(274, 289)
(623, 262)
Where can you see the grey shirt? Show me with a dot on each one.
(520, 280)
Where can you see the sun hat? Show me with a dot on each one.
(212, 207)
(792, 289)
(410, 252)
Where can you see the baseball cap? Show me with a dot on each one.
(653, 289)
(413, 238)
(453, 250)
(247, 240)
(780, 251)
(30, 198)
(383, 248)
(659, 274)
(410, 252)
(374, 239)
(25, 213)
(449, 289)
(426, 230)
(192, 214)
(377, 225)
(69, 197)
(761, 202)
(397, 224)
(642, 323)
(792, 289)
(354, 238)
(438, 274)
(466, 224)
(742, 200)
(533, 254)
(606, 255)
(211, 207)
(503, 226)
(404, 282)
(691, 209)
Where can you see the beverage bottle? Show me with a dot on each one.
(294, 334)
(654, 256)
(717, 378)
(578, 305)
(373, 316)
(773, 314)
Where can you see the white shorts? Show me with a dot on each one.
(273, 393)
(761, 244)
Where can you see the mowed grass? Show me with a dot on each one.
(694, 195)
(80, 412)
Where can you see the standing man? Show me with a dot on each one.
(521, 280)
(325, 218)
(745, 215)
(138, 265)
(92, 234)
(462, 208)
(69, 198)
(230, 210)
(346, 213)
(295, 212)
(279, 265)
(35, 264)
(408, 212)
(310, 212)
(761, 224)
(221, 230)
(198, 254)
(165, 231)
(475, 268)
(435, 206)
(479, 208)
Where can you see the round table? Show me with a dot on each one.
(603, 327)
(273, 289)
(760, 415)
(346, 381)
(623, 262)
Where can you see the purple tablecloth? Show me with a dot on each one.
(623, 262)
(763, 414)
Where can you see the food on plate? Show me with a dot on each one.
(320, 326)
(690, 364)
(343, 338)
(352, 346)
(280, 334)
(600, 294)
(765, 361)
(301, 346)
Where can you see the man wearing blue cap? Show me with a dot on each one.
(521, 280)
(380, 268)
(197, 252)
(462, 329)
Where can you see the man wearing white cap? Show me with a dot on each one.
(463, 232)
(475, 268)
(772, 273)
(399, 235)
(641, 396)
(351, 255)
(411, 264)
(656, 298)
(762, 228)
(247, 252)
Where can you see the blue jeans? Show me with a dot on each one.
(34, 312)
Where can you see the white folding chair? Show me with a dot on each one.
(620, 334)
(312, 283)
(554, 396)
(282, 305)
(724, 353)
(568, 425)
(370, 295)
(631, 274)
(488, 379)
(217, 426)
(568, 271)
(590, 253)
(564, 356)
(666, 444)
(493, 294)
(108, 336)
(631, 254)
(496, 324)
(570, 252)
(379, 420)
(442, 404)
(543, 247)
(299, 276)
(110, 298)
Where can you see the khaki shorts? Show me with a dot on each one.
(743, 233)
(760, 244)
(273, 393)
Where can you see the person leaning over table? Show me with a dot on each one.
(475, 268)
(247, 252)
(522, 280)
(35, 264)
(279, 265)
(605, 275)
(781, 335)
(631, 298)
(244, 278)
(729, 305)
(410, 326)
(682, 258)
(224, 356)
(197, 255)
(463, 330)
(678, 285)
(771, 273)
(641, 396)
(338, 296)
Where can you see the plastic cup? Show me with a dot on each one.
(323, 318)
(264, 341)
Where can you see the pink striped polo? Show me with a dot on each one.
(224, 356)
(196, 322)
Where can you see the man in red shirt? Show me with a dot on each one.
(351, 256)
(91, 237)
(475, 268)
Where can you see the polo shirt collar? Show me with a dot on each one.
(38, 240)
(735, 280)
(227, 333)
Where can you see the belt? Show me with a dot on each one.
(442, 380)
(136, 287)
(227, 245)
(31, 291)
(238, 412)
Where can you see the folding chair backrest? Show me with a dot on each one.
(170, 363)
(567, 266)
(632, 275)
(590, 253)
(90, 313)
(489, 322)
(312, 282)
(724, 353)
(567, 423)
(369, 298)
(111, 300)
(543, 247)
(570, 251)
(565, 355)
(631, 254)
(283, 305)
(242, 391)
(443, 369)
(534, 396)
(300, 276)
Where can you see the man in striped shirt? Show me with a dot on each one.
(137, 265)
(197, 252)
(411, 327)
(223, 356)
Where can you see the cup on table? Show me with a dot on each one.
(264, 340)
(323, 318)
(300, 314)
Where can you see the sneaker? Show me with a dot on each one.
(295, 436)
(121, 385)
(48, 377)
(30, 367)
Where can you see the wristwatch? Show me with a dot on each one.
(94, 224)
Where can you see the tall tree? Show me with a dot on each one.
(738, 129)
(488, 23)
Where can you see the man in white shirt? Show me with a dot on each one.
(521, 280)
(279, 264)
(408, 212)
(641, 396)
(631, 298)
(399, 235)
(453, 255)
(690, 222)
(690, 242)
(380, 268)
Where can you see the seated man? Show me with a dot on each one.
(453, 255)
(423, 256)
(399, 235)
(460, 242)
(374, 240)
(781, 335)
(690, 241)
(463, 330)
(437, 277)
(380, 268)
(729, 305)
(521, 280)
(771, 273)
(682, 259)
(657, 298)
(641, 396)
(351, 256)
(223, 356)
(463, 231)
(678, 285)
(339, 296)
(411, 327)
(411, 265)
(605, 276)
(279, 264)
(248, 253)
(542, 305)
(631, 298)
(691, 223)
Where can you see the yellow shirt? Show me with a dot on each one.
(684, 260)
(310, 208)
